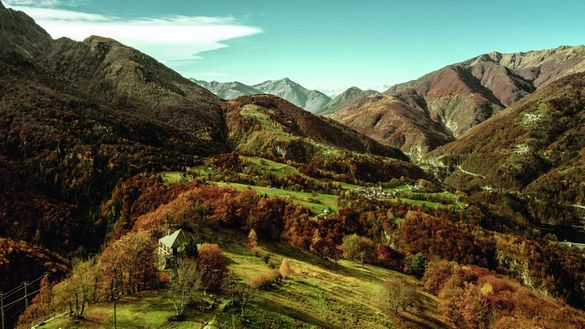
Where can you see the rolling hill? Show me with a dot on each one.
(273, 128)
(275, 113)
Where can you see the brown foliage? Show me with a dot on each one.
(211, 266)
(479, 298)
(265, 280)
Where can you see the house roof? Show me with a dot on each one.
(176, 238)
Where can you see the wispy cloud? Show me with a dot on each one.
(33, 3)
(169, 38)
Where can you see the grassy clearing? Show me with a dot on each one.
(173, 177)
(148, 309)
(305, 199)
(423, 203)
(269, 167)
(260, 114)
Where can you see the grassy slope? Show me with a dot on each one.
(265, 166)
(304, 199)
(320, 294)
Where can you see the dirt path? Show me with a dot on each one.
(469, 172)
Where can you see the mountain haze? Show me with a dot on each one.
(228, 90)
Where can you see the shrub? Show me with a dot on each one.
(252, 240)
(418, 265)
(265, 281)
(284, 269)
(396, 295)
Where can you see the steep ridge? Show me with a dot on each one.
(402, 121)
(455, 98)
(71, 127)
(132, 81)
(537, 147)
(462, 95)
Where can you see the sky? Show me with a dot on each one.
(328, 45)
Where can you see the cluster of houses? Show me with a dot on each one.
(375, 192)
(378, 192)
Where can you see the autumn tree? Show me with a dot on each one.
(357, 248)
(284, 269)
(211, 266)
(183, 283)
(68, 293)
(83, 277)
(396, 295)
(126, 264)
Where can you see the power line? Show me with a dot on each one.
(20, 286)
(22, 298)
(16, 314)
(20, 308)
(13, 291)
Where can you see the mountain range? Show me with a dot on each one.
(534, 148)
(310, 100)
(420, 115)
(454, 98)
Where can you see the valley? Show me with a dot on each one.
(134, 197)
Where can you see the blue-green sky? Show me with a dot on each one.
(322, 44)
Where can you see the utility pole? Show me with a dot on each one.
(25, 295)
(2, 308)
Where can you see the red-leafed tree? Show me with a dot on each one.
(211, 266)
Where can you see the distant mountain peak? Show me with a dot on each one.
(310, 100)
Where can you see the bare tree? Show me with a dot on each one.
(396, 296)
(242, 294)
(184, 282)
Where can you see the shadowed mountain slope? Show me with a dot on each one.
(402, 121)
(537, 146)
